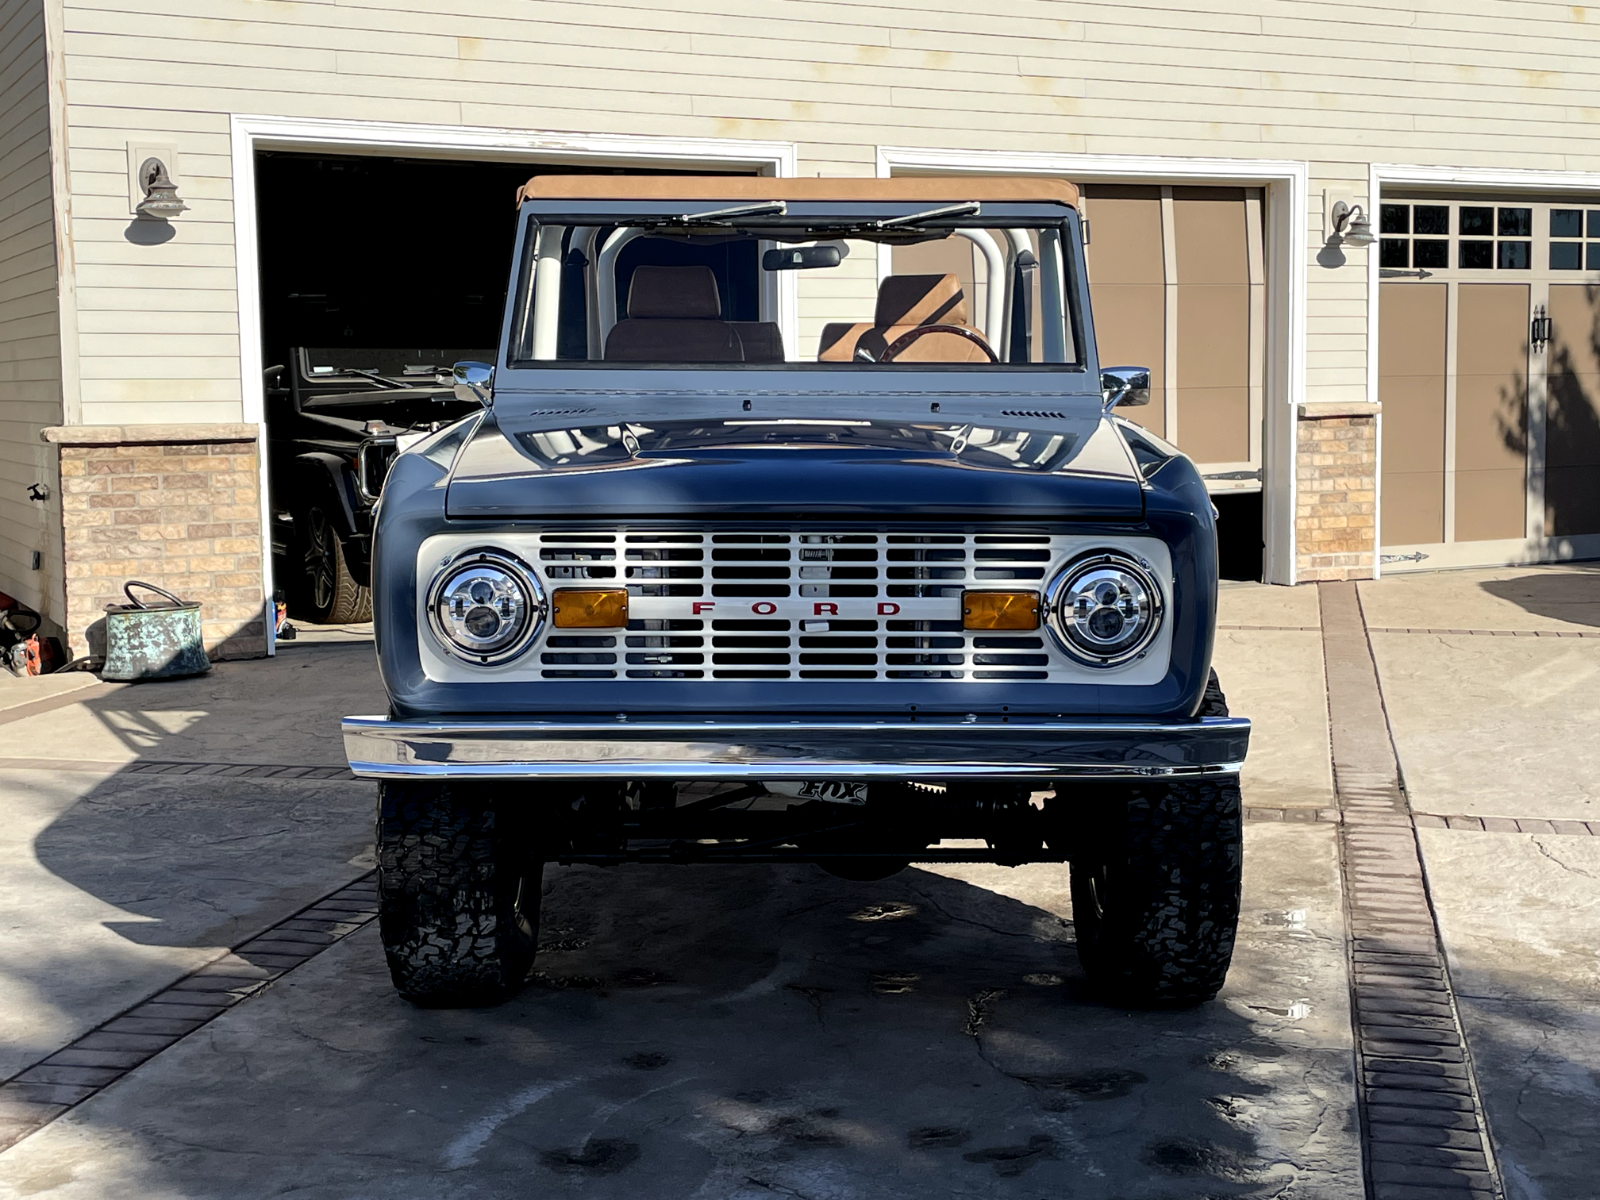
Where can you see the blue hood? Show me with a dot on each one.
(526, 465)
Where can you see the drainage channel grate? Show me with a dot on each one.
(1424, 1136)
(39, 1094)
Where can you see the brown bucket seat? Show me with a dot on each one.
(674, 315)
(906, 302)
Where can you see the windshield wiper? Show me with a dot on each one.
(970, 209)
(375, 377)
(720, 216)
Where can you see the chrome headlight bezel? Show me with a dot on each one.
(1068, 632)
(488, 562)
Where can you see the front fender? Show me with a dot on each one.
(328, 481)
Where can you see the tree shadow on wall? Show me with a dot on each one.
(1571, 427)
(1572, 470)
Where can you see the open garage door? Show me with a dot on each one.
(377, 274)
(1489, 374)
(1177, 276)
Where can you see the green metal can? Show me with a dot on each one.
(159, 640)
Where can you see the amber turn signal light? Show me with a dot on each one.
(590, 608)
(1000, 610)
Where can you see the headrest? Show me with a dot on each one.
(921, 300)
(685, 293)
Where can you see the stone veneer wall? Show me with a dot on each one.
(1336, 507)
(178, 506)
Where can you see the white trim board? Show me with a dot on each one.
(1287, 184)
(1502, 552)
(251, 133)
(1380, 175)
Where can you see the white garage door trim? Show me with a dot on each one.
(252, 133)
(1287, 184)
(1396, 175)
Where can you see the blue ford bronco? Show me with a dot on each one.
(798, 524)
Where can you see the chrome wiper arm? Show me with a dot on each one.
(970, 209)
(767, 208)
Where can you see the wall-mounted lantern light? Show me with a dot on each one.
(1351, 224)
(160, 193)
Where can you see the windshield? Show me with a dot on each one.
(754, 286)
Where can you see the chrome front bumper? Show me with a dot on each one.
(734, 748)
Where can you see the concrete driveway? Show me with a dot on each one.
(770, 1031)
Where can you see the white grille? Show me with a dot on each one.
(788, 605)
(795, 573)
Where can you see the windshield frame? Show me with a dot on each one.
(571, 373)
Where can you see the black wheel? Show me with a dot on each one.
(328, 593)
(458, 892)
(1155, 889)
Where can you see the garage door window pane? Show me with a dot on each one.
(1425, 253)
(1479, 221)
(1395, 218)
(1392, 253)
(1516, 222)
(1516, 256)
(1476, 254)
(1566, 222)
(1431, 218)
(1566, 256)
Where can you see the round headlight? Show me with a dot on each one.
(486, 607)
(1105, 608)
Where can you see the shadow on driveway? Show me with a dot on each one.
(1571, 594)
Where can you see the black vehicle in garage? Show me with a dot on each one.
(335, 420)
(686, 591)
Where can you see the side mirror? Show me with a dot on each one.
(1125, 387)
(802, 258)
(474, 381)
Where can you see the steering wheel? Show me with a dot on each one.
(908, 339)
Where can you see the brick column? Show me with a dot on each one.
(1336, 507)
(178, 506)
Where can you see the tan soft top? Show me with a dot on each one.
(940, 189)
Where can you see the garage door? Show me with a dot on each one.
(1178, 281)
(1489, 373)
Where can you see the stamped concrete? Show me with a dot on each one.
(1495, 726)
(1530, 598)
(113, 885)
(1265, 604)
(750, 1032)
(1520, 919)
(283, 710)
(116, 886)
(1274, 677)
(1269, 660)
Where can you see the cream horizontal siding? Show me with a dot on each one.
(1492, 83)
(30, 329)
(1336, 301)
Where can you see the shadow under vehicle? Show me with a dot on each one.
(685, 592)
(335, 420)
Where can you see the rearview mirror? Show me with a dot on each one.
(474, 381)
(802, 258)
(1125, 387)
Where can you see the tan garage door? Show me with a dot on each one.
(1489, 373)
(1178, 280)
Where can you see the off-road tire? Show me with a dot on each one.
(1213, 703)
(326, 592)
(1155, 890)
(458, 892)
